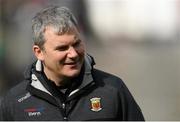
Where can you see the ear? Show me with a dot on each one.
(38, 52)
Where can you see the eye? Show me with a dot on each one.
(77, 43)
(62, 48)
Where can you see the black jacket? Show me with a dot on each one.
(94, 95)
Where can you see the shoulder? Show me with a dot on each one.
(15, 92)
(11, 99)
(18, 89)
(107, 79)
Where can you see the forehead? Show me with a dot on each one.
(51, 34)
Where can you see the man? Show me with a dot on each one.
(62, 84)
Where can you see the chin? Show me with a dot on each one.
(73, 73)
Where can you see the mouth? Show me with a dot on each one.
(71, 63)
(74, 63)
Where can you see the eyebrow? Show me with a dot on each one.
(76, 39)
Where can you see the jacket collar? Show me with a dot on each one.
(35, 82)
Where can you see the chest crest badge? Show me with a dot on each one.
(95, 104)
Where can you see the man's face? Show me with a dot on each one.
(63, 55)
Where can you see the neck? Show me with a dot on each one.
(58, 80)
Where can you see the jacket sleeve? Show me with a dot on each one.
(130, 110)
(2, 110)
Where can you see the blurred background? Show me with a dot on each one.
(137, 40)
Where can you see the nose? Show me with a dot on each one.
(72, 53)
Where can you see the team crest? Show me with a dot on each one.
(95, 104)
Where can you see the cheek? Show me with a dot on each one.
(54, 57)
(81, 50)
(60, 57)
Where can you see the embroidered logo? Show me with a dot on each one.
(34, 111)
(95, 104)
(24, 97)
